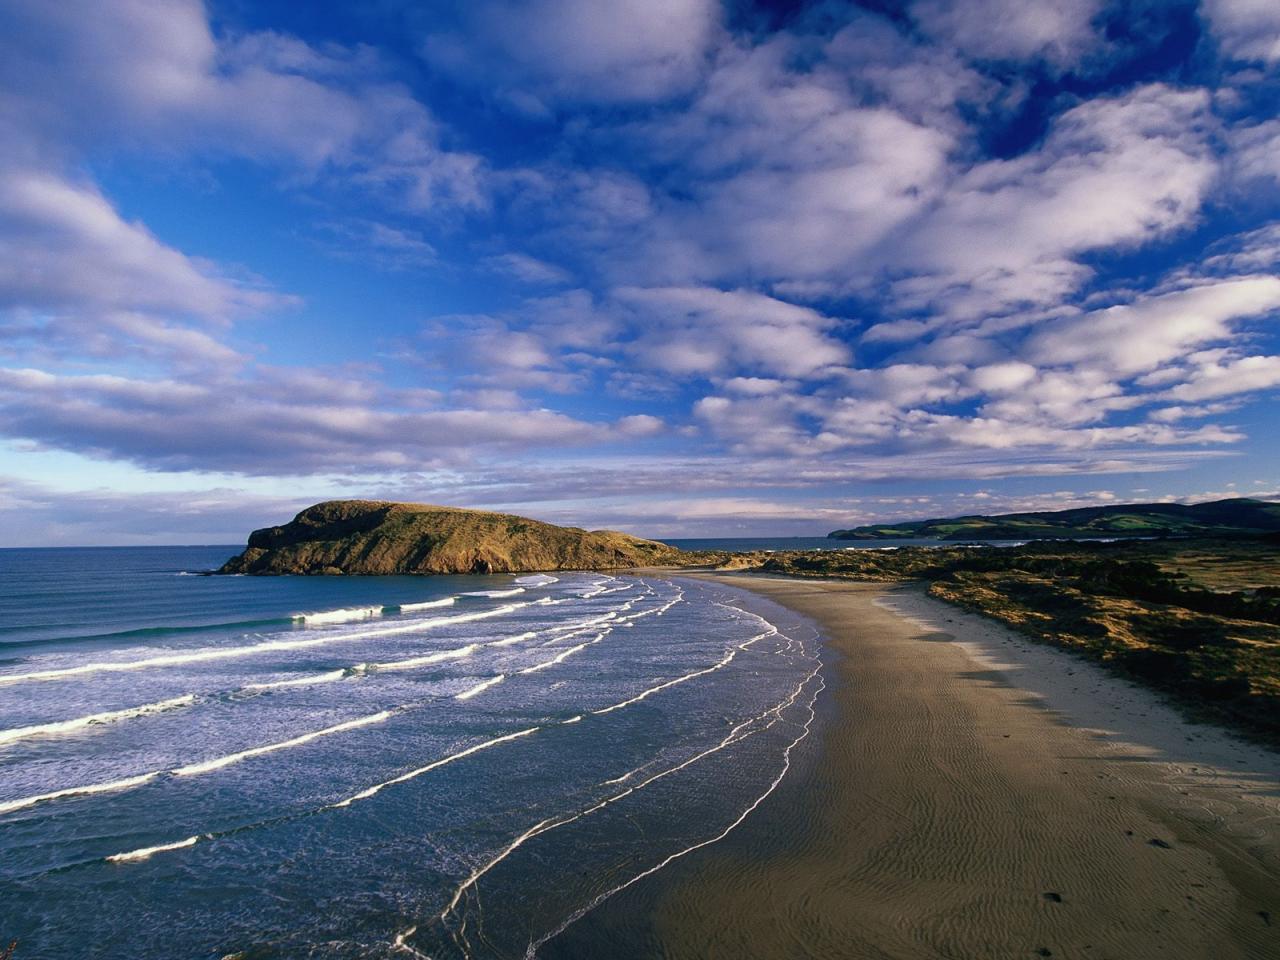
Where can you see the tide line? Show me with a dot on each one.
(480, 687)
(551, 823)
(192, 769)
(271, 646)
(435, 764)
(94, 719)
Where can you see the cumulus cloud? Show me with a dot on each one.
(147, 73)
(268, 426)
(1132, 338)
(1060, 31)
(1113, 172)
(1245, 29)
(64, 244)
(541, 52)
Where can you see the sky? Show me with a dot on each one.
(677, 267)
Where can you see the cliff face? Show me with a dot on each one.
(380, 537)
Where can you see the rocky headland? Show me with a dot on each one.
(378, 537)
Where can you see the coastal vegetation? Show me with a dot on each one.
(1199, 619)
(377, 537)
(1218, 518)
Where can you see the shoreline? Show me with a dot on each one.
(971, 793)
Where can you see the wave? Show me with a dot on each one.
(495, 593)
(457, 653)
(339, 616)
(740, 732)
(426, 604)
(309, 679)
(365, 794)
(481, 687)
(270, 646)
(720, 664)
(435, 764)
(805, 729)
(193, 769)
(94, 719)
(109, 787)
(147, 852)
(537, 580)
(564, 655)
(206, 766)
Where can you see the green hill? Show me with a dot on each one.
(375, 537)
(1240, 516)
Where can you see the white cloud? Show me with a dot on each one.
(140, 72)
(1245, 29)
(1133, 338)
(276, 424)
(64, 244)
(700, 331)
(1113, 172)
(577, 50)
(1245, 375)
(1060, 31)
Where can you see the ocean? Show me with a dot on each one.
(243, 767)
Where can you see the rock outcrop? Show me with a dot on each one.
(376, 537)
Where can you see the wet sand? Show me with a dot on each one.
(970, 794)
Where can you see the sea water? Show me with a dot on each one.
(195, 766)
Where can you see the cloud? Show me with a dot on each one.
(1245, 375)
(700, 331)
(64, 244)
(537, 53)
(141, 73)
(1129, 339)
(75, 276)
(1112, 173)
(1059, 31)
(528, 269)
(279, 424)
(1245, 29)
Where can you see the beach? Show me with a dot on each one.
(969, 793)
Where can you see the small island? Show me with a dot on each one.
(380, 537)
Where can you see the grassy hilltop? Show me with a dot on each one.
(1222, 517)
(376, 537)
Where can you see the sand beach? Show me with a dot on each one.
(971, 794)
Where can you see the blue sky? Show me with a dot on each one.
(678, 267)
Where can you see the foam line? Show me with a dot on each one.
(564, 655)
(426, 604)
(538, 580)
(474, 748)
(551, 823)
(192, 769)
(645, 694)
(94, 719)
(146, 852)
(339, 616)
(308, 680)
(457, 653)
(786, 766)
(270, 646)
(207, 766)
(481, 687)
(125, 784)
(495, 593)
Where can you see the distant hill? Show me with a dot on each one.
(375, 537)
(1219, 518)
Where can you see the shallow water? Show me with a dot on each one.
(354, 767)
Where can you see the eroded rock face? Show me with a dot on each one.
(382, 537)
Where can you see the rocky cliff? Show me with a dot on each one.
(381, 537)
